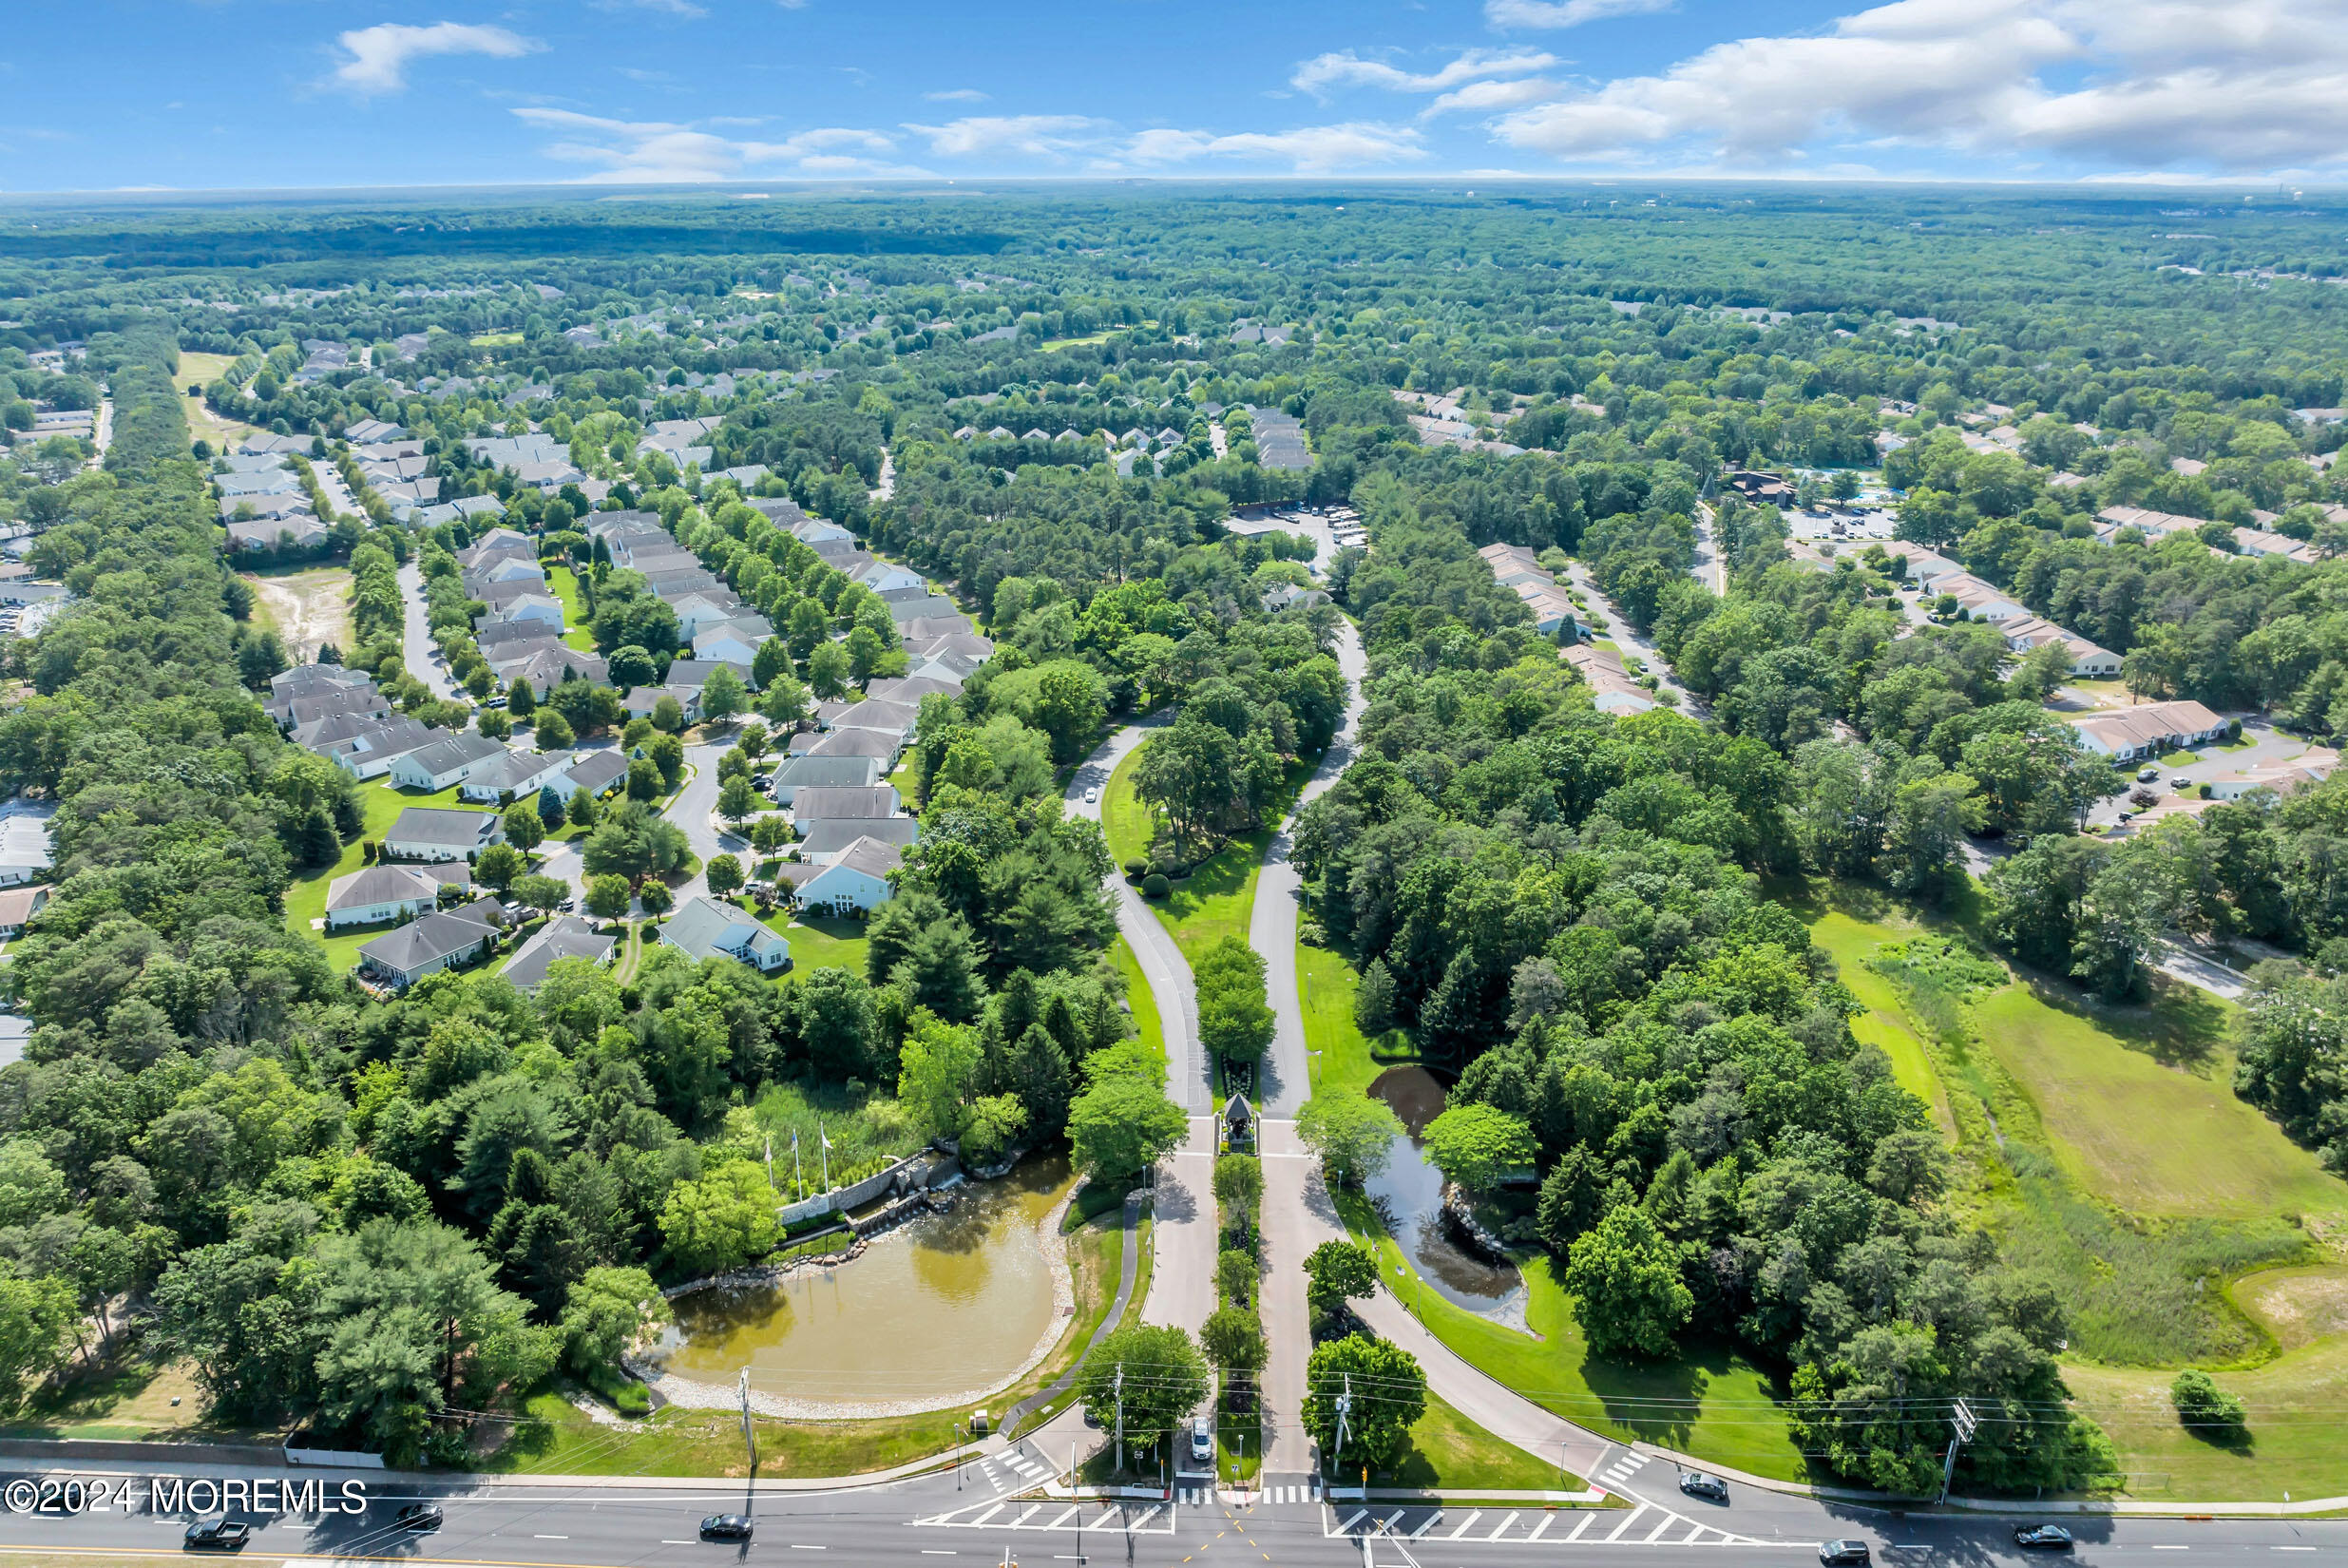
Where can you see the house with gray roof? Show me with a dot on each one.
(595, 772)
(825, 842)
(441, 832)
(517, 775)
(368, 747)
(824, 772)
(443, 763)
(855, 884)
(827, 803)
(706, 929)
(376, 894)
(565, 936)
(431, 943)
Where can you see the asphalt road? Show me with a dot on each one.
(626, 1523)
(416, 649)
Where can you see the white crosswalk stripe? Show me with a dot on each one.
(1137, 1518)
(1642, 1524)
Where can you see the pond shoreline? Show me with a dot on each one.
(702, 1396)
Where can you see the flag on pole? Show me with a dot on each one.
(825, 1138)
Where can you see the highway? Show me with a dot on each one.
(993, 1515)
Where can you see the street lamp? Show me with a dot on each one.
(1311, 1069)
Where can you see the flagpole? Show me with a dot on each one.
(798, 1180)
(769, 1159)
(825, 1138)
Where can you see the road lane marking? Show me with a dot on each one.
(990, 1514)
(1586, 1520)
(1628, 1520)
(927, 1550)
(1153, 1510)
(1063, 1519)
(1474, 1514)
(550, 1537)
(1350, 1523)
(1432, 1520)
(1501, 1529)
(1033, 1509)
(1542, 1529)
(796, 1547)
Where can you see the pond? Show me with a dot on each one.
(1409, 1195)
(939, 1306)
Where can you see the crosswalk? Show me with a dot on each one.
(1619, 1473)
(1194, 1496)
(1643, 1524)
(1124, 1518)
(1013, 1470)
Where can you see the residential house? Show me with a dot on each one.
(825, 842)
(829, 803)
(911, 689)
(641, 701)
(2087, 660)
(431, 943)
(706, 929)
(2260, 542)
(368, 747)
(694, 672)
(565, 936)
(2151, 525)
(922, 631)
(441, 832)
(881, 745)
(2301, 772)
(1978, 600)
(1611, 689)
(595, 772)
(17, 908)
(895, 717)
(25, 856)
(290, 532)
(855, 884)
(443, 763)
(829, 773)
(2146, 730)
(932, 608)
(734, 642)
(544, 664)
(695, 611)
(379, 893)
(516, 776)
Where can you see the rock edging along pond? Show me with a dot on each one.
(1043, 1235)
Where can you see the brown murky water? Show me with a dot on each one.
(949, 1303)
(1409, 1193)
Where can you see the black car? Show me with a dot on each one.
(1697, 1485)
(2043, 1538)
(219, 1534)
(727, 1527)
(1832, 1552)
(418, 1515)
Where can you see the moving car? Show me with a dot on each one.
(2146, 773)
(418, 1515)
(1202, 1443)
(727, 1527)
(217, 1534)
(2042, 1537)
(1697, 1485)
(1092, 797)
(1833, 1552)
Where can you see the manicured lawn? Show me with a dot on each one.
(1711, 1402)
(1449, 1452)
(1350, 1061)
(305, 901)
(1217, 899)
(820, 943)
(573, 609)
(2294, 1433)
(1140, 998)
(1124, 820)
(2140, 1107)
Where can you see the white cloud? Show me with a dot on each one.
(956, 95)
(651, 152)
(1349, 69)
(1492, 97)
(380, 55)
(1316, 149)
(1028, 135)
(2197, 85)
(1564, 13)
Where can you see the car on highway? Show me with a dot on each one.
(217, 1534)
(1836, 1553)
(727, 1527)
(1697, 1485)
(418, 1515)
(1202, 1443)
(2042, 1537)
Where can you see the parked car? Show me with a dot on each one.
(2179, 782)
(1697, 1485)
(1202, 1443)
(217, 1534)
(727, 1527)
(1836, 1553)
(418, 1515)
(2042, 1537)
(2146, 773)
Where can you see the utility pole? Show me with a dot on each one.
(1961, 1418)
(749, 1433)
(1117, 1389)
(1345, 1409)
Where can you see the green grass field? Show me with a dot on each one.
(575, 633)
(1711, 1402)
(1138, 997)
(1124, 820)
(1350, 1061)
(1885, 1024)
(1447, 1451)
(820, 943)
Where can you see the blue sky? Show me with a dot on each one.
(242, 94)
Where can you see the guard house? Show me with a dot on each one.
(1238, 1122)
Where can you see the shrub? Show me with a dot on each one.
(1234, 1277)
(2209, 1410)
(1156, 886)
(1136, 870)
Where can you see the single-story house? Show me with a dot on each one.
(544, 664)
(2149, 729)
(441, 832)
(293, 532)
(305, 708)
(855, 884)
(696, 672)
(379, 893)
(923, 630)
(824, 772)
(1612, 690)
(2301, 772)
(892, 717)
(495, 569)
(369, 749)
(517, 774)
(928, 607)
(911, 689)
(732, 641)
(695, 611)
(1980, 601)
(25, 855)
(595, 772)
(565, 936)
(825, 842)
(827, 803)
(882, 745)
(440, 940)
(435, 767)
(17, 908)
(706, 929)
(2259, 542)
(641, 701)
(2087, 660)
